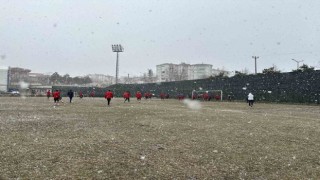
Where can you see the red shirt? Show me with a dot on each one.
(126, 95)
(108, 95)
(206, 96)
(138, 95)
(56, 94)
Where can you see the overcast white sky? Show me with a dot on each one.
(75, 36)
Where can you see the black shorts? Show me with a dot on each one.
(56, 99)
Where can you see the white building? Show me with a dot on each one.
(101, 79)
(163, 72)
(178, 72)
(201, 71)
(4, 79)
(172, 72)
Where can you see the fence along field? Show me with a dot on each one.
(157, 139)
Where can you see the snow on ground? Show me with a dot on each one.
(157, 139)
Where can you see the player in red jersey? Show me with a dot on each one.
(138, 96)
(126, 96)
(56, 97)
(108, 95)
(48, 94)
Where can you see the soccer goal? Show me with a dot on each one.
(207, 95)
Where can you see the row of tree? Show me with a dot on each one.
(271, 70)
(56, 79)
(179, 75)
(274, 69)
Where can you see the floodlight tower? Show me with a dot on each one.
(297, 62)
(117, 48)
(255, 63)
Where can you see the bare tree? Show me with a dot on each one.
(304, 68)
(182, 73)
(178, 72)
(271, 70)
(172, 72)
(150, 75)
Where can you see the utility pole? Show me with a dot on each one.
(297, 62)
(255, 63)
(128, 79)
(117, 48)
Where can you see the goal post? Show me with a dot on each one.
(207, 95)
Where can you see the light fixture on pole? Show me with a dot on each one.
(297, 62)
(117, 48)
(255, 63)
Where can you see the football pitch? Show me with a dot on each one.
(157, 139)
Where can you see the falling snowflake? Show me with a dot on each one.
(195, 105)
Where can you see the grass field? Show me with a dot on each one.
(157, 139)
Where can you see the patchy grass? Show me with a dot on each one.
(157, 139)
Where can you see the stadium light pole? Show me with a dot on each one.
(255, 63)
(117, 48)
(297, 62)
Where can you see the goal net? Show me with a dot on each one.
(207, 95)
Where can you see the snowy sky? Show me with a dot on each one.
(75, 36)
